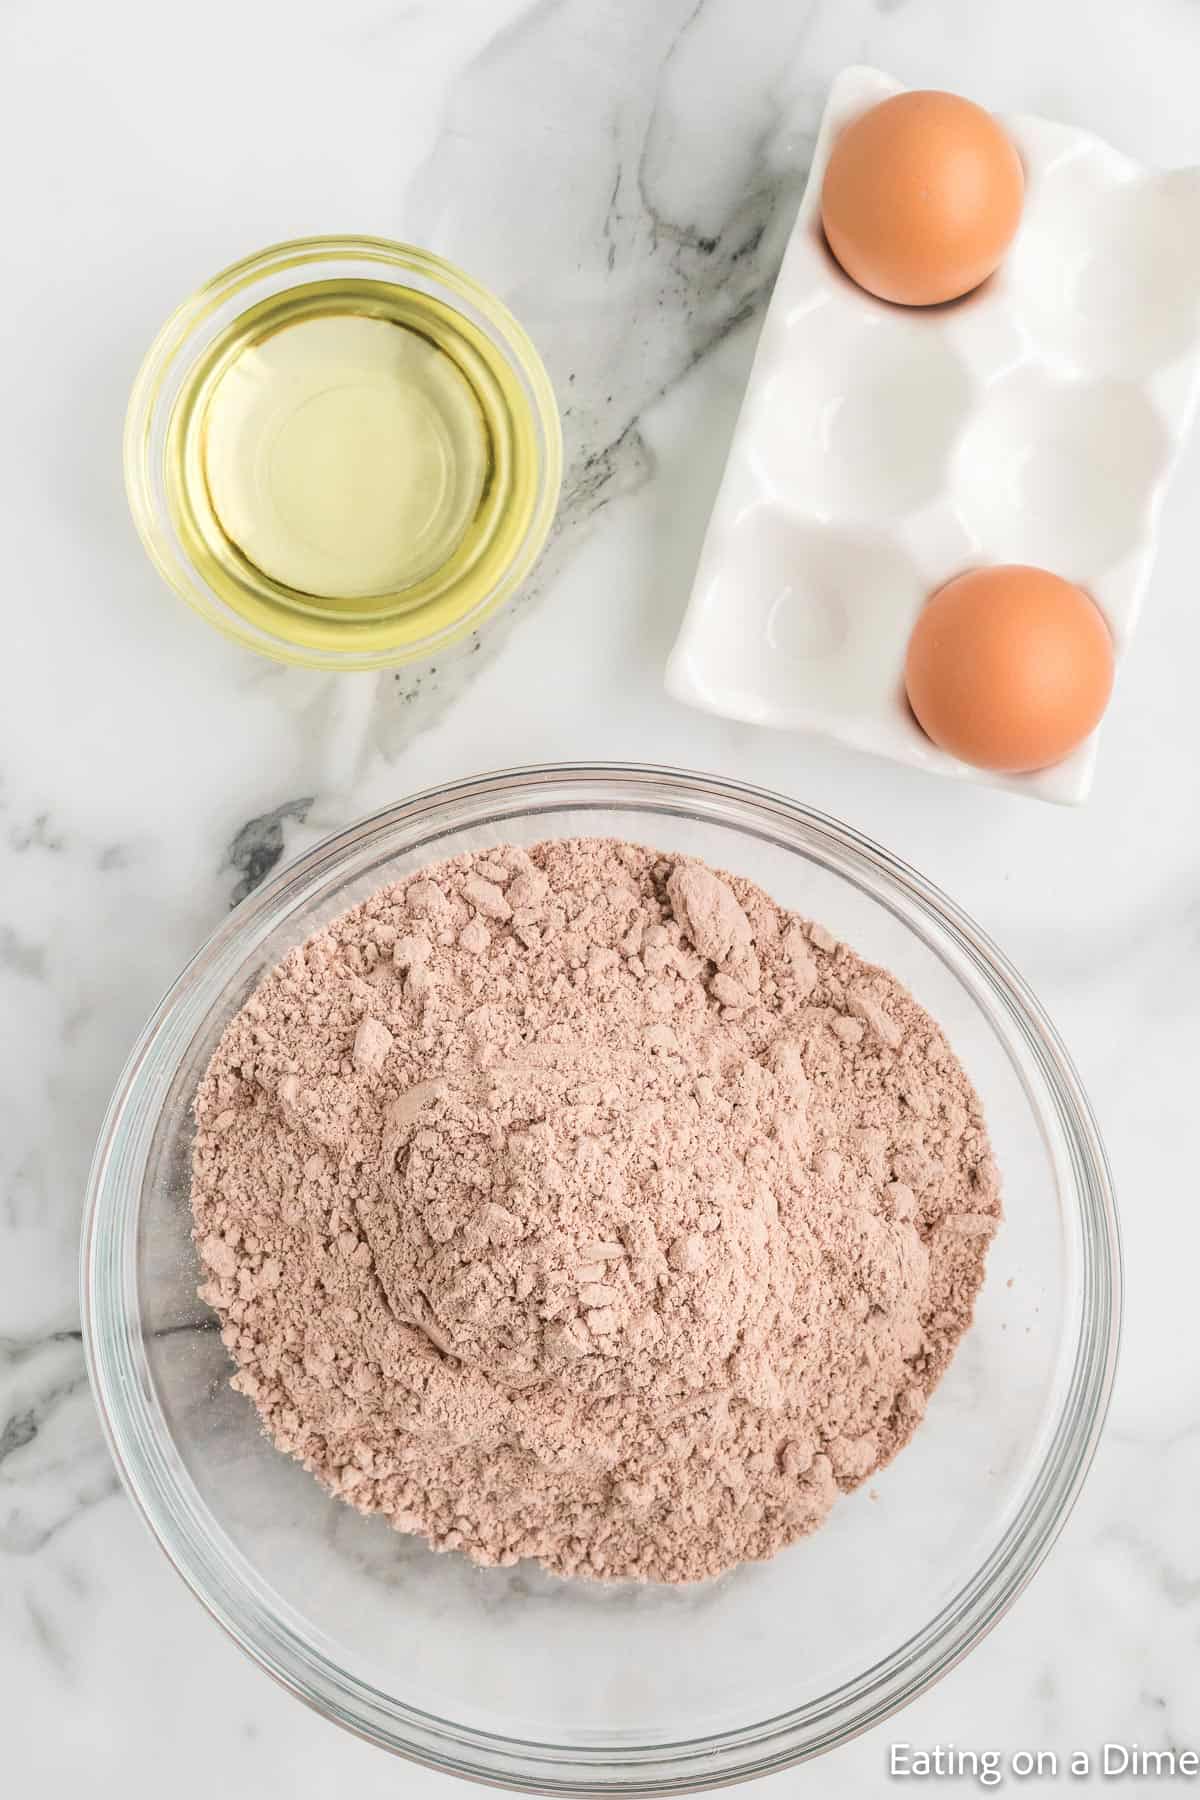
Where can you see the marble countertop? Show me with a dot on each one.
(624, 174)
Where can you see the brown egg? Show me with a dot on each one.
(922, 197)
(1009, 668)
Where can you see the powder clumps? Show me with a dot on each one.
(579, 1203)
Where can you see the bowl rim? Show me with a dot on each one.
(276, 1638)
(312, 253)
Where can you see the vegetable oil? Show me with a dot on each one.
(352, 463)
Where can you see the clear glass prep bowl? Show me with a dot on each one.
(400, 635)
(511, 1676)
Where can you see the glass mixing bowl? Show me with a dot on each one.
(512, 1676)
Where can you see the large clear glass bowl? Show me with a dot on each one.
(512, 1676)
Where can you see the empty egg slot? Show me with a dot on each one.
(859, 419)
(1104, 276)
(811, 620)
(1059, 473)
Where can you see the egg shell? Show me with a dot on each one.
(922, 197)
(1009, 668)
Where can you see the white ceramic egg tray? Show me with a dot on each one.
(881, 450)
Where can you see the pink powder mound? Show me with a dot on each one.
(579, 1203)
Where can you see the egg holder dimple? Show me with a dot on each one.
(881, 450)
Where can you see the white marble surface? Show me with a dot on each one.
(624, 173)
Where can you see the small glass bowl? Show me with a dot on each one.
(573, 1687)
(406, 634)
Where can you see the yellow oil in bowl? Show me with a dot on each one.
(354, 468)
